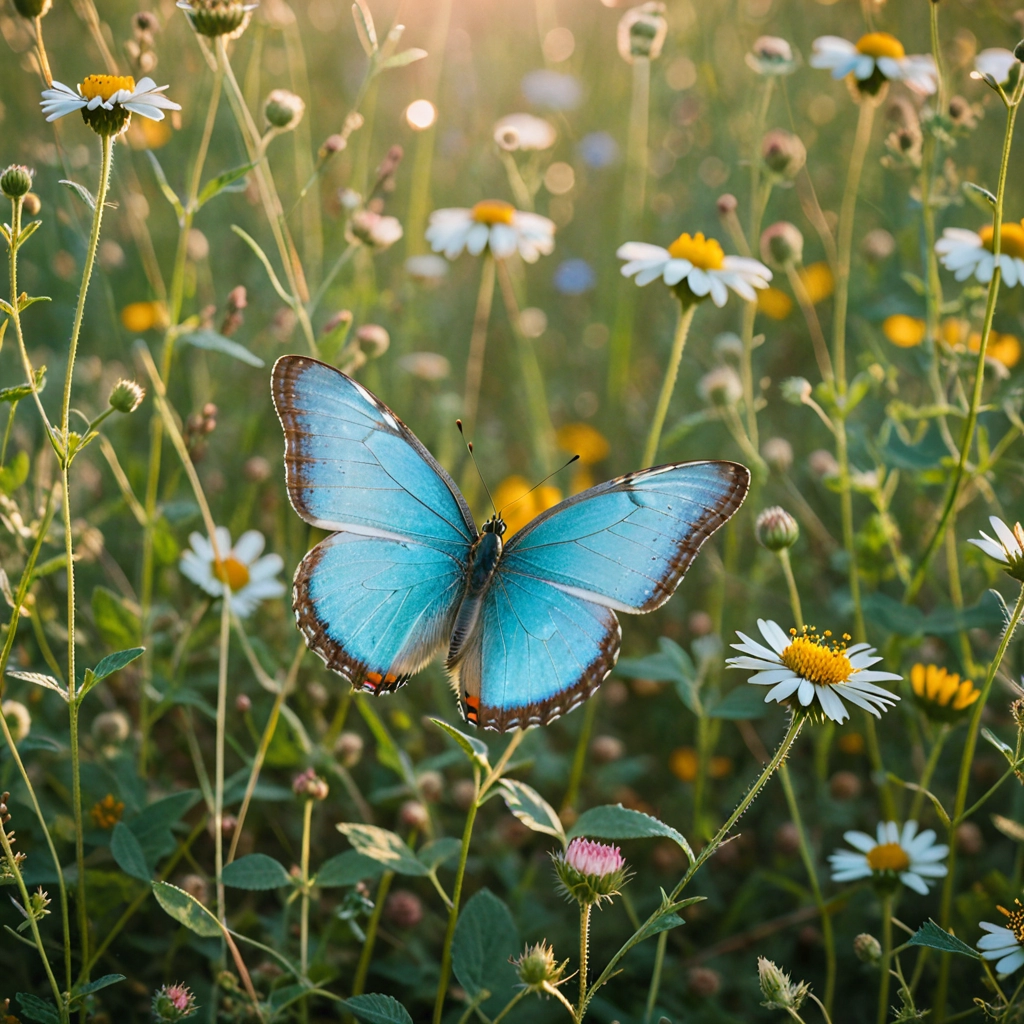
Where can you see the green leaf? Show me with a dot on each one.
(364, 27)
(981, 197)
(117, 624)
(152, 826)
(532, 809)
(434, 854)
(214, 342)
(40, 1010)
(742, 702)
(400, 60)
(347, 868)
(387, 750)
(28, 231)
(386, 847)
(934, 937)
(81, 191)
(895, 617)
(15, 473)
(223, 183)
(485, 938)
(108, 666)
(187, 910)
(161, 179)
(670, 665)
(475, 749)
(267, 265)
(127, 851)
(377, 1009)
(1004, 748)
(256, 872)
(20, 391)
(40, 679)
(613, 821)
(95, 986)
(663, 924)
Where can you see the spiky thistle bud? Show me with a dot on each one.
(172, 1003)
(779, 992)
(867, 949)
(537, 968)
(590, 872)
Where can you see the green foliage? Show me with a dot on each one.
(256, 871)
(485, 939)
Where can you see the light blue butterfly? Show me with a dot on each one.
(529, 625)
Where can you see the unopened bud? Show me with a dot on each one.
(243, 704)
(283, 109)
(31, 204)
(778, 453)
(726, 204)
(349, 748)
(642, 32)
(867, 949)
(776, 529)
(403, 909)
(126, 396)
(310, 786)
(16, 181)
(413, 814)
(32, 9)
(538, 968)
(779, 992)
(796, 390)
(771, 55)
(721, 386)
(877, 245)
(784, 154)
(782, 245)
(373, 340)
(1018, 51)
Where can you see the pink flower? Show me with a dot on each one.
(590, 858)
(179, 996)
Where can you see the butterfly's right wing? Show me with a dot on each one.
(378, 598)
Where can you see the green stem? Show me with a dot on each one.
(960, 802)
(366, 955)
(659, 962)
(510, 1006)
(794, 594)
(307, 822)
(661, 409)
(579, 760)
(883, 981)
(478, 340)
(806, 856)
(929, 770)
(585, 909)
(336, 268)
(218, 783)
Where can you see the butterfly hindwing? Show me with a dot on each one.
(378, 598)
(351, 463)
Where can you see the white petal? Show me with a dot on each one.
(675, 271)
(774, 634)
(915, 882)
(860, 841)
(642, 251)
(248, 547)
(1006, 537)
(783, 690)
(1011, 963)
(831, 704)
(806, 692)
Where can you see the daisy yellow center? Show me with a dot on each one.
(105, 86)
(1011, 239)
(1015, 920)
(493, 211)
(232, 572)
(704, 253)
(881, 44)
(888, 857)
(811, 658)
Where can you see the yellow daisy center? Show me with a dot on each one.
(105, 86)
(881, 44)
(704, 253)
(1011, 239)
(232, 572)
(888, 857)
(1015, 920)
(814, 658)
(493, 211)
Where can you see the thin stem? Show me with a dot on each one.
(359, 981)
(307, 822)
(510, 1006)
(579, 759)
(929, 770)
(44, 62)
(794, 594)
(659, 962)
(661, 409)
(585, 909)
(478, 340)
(807, 857)
(803, 298)
(218, 780)
(883, 981)
(960, 801)
(336, 269)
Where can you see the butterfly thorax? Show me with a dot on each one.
(483, 560)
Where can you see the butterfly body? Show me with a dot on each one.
(529, 622)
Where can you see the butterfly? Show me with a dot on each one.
(529, 623)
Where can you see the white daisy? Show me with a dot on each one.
(251, 579)
(970, 252)
(107, 102)
(875, 58)
(525, 132)
(897, 853)
(696, 267)
(1005, 944)
(1007, 547)
(810, 666)
(495, 224)
(996, 62)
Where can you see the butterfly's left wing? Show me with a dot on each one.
(548, 634)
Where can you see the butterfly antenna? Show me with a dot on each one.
(469, 448)
(538, 484)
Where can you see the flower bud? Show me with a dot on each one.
(464, 793)
(782, 245)
(403, 909)
(537, 967)
(349, 748)
(283, 109)
(642, 32)
(126, 396)
(726, 204)
(243, 704)
(779, 992)
(310, 786)
(867, 949)
(778, 453)
(372, 229)
(196, 886)
(32, 204)
(32, 9)
(877, 245)
(844, 786)
(214, 18)
(431, 785)
(796, 390)
(19, 721)
(771, 55)
(172, 1003)
(373, 340)
(16, 181)
(784, 154)
(605, 749)
(111, 728)
(256, 469)
(776, 529)
(590, 872)
(823, 463)
(721, 386)
(414, 814)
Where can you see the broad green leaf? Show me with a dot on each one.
(214, 342)
(378, 1009)
(15, 473)
(613, 821)
(81, 191)
(1010, 828)
(742, 702)
(161, 179)
(256, 872)
(117, 624)
(485, 939)
(400, 60)
(95, 986)
(474, 749)
(346, 869)
(434, 854)
(532, 809)
(663, 924)
(152, 826)
(934, 937)
(20, 391)
(40, 679)
(107, 667)
(186, 910)
(126, 850)
(40, 1010)
(386, 847)
(668, 665)
(223, 183)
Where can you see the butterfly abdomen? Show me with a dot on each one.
(483, 560)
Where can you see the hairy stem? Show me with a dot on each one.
(668, 386)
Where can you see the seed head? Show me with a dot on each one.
(310, 786)
(784, 154)
(403, 909)
(721, 386)
(349, 748)
(782, 245)
(126, 396)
